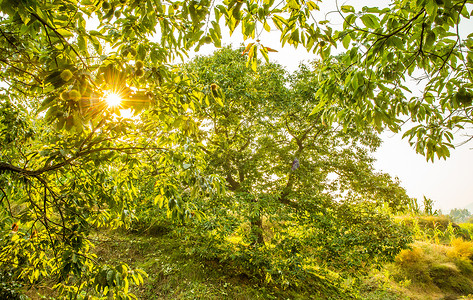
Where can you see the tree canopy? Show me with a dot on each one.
(460, 214)
(71, 163)
(384, 47)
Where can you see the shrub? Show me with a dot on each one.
(9, 289)
(412, 264)
(464, 265)
(467, 227)
(434, 228)
(461, 249)
(409, 257)
(434, 222)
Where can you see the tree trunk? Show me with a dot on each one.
(257, 231)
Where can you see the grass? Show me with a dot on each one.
(175, 274)
(438, 264)
(428, 270)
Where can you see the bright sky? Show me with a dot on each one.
(448, 183)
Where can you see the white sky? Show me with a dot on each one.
(447, 182)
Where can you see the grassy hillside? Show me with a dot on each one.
(438, 266)
(173, 273)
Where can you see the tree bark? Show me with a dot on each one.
(257, 231)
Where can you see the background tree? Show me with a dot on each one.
(295, 184)
(459, 215)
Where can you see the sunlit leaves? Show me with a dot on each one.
(394, 45)
(370, 21)
(276, 153)
(74, 163)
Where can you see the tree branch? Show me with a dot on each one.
(34, 173)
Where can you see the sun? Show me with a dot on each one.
(112, 99)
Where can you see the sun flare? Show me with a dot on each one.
(113, 99)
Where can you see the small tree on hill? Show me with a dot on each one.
(284, 167)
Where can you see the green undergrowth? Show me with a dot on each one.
(426, 271)
(437, 266)
(173, 273)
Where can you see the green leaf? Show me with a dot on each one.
(47, 103)
(266, 26)
(347, 9)
(370, 21)
(279, 22)
(65, 33)
(293, 4)
(312, 5)
(295, 36)
(96, 44)
(82, 44)
(264, 52)
(431, 7)
(429, 40)
(318, 107)
(219, 101)
(349, 21)
(346, 41)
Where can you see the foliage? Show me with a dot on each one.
(70, 164)
(386, 46)
(459, 215)
(428, 207)
(10, 289)
(435, 229)
(431, 267)
(74, 182)
(285, 217)
(175, 272)
(256, 127)
(461, 248)
(437, 265)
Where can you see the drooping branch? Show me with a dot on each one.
(33, 173)
(61, 37)
(5, 197)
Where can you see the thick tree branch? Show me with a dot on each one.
(234, 185)
(283, 198)
(34, 173)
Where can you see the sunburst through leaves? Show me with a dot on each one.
(113, 99)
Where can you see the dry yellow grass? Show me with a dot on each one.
(460, 249)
